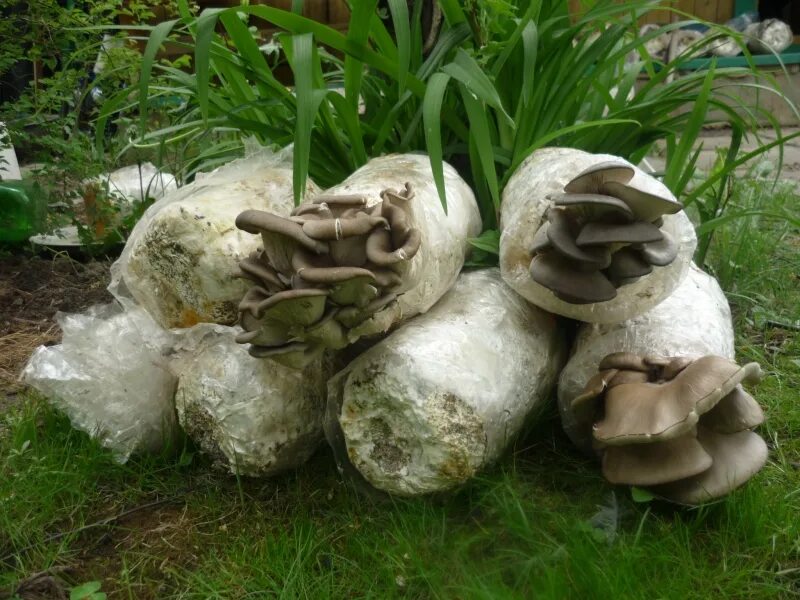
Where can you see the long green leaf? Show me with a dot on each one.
(432, 120)
(465, 70)
(203, 39)
(402, 32)
(479, 131)
(308, 101)
(158, 35)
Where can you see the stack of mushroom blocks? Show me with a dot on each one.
(651, 387)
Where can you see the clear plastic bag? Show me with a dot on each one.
(527, 197)
(444, 395)
(180, 261)
(251, 416)
(694, 321)
(110, 376)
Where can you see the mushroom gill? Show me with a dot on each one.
(681, 426)
(322, 272)
(601, 233)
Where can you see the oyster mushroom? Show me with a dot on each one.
(608, 219)
(663, 410)
(568, 280)
(668, 400)
(735, 458)
(347, 254)
(684, 430)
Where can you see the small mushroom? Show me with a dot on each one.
(357, 290)
(560, 235)
(585, 406)
(341, 200)
(564, 278)
(353, 315)
(254, 269)
(590, 180)
(594, 232)
(350, 252)
(312, 211)
(624, 361)
(263, 332)
(660, 253)
(653, 464)
(541, 241)
(595, 205)
(259, 221)
(645, 412)
(380, 251)
(736, 457)
(328, 332)
(302, 307)
(644, 205)
(735, 412)
(629, 377)
(338, 229)
(626, 267)
(675, 366)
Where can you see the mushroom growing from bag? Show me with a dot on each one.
(355, 260)
(661, 400)
(252, 417)
(181, 259)
(591, 237)
(446, 394)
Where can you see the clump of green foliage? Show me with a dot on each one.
(503, 79)
(58, 67)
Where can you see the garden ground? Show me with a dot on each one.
(542, 523)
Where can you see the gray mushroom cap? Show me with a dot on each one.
(627, 266)
(595, 205)
(645, 206)
(590, 180)
(259, 221)
(659, 253)
(559, 233)
(565, 278)
(735, 412)
(647, 412)
(594, 232)
(736, 457)
(653, 464)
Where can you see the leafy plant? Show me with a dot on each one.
(87, 591)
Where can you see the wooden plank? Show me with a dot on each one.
(724, 11)
(338, 12)
(706, 9)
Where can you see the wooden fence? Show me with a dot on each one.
(716, 11)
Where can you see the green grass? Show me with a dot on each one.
(542, 523)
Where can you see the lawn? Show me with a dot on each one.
(542, 523)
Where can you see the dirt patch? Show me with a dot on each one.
(32, 290)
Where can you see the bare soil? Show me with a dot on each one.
(32, 290)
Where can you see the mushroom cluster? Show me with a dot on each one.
(599, 234)
(679, 426)
(326, 275)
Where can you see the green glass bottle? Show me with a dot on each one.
(22, 210)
